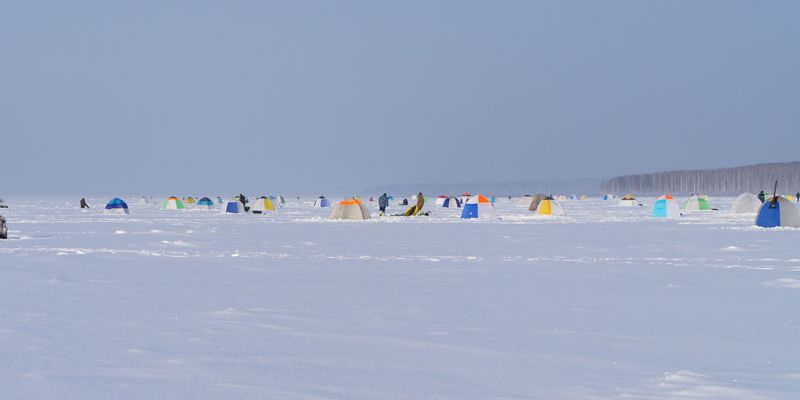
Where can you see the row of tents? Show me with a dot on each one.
(231, 206)
(776, 211)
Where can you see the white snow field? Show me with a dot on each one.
(605, 303)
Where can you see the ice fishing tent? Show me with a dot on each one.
(584, 197)
(233, 206)
(464, 197)
(350, 209)
(450, 202)
(561, 197)
(116, 206)
(143, 201)
(778, 211)
(190, 201)
(666, 207)
(696, 203)
(549, 206)
(789, 197)
(746, 203)
(440, 200)
(262, 204)
(535, 200)
(404, 202)
(478, 207)
(573, 197)
(609, 196)
(172, 203)
(628, 200)
(3, 204)
(205, 203)
(322, 202)
(524, 201)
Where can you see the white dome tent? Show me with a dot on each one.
(746, 203)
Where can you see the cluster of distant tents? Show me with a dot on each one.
(770, 211)
(774, 211)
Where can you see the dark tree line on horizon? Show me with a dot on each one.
(751, 178)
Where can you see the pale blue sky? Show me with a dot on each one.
(287, 96)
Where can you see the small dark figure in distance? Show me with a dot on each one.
(762, 196)
(84, 204)
(3, 228)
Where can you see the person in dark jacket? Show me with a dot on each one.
(762, 196)
(84, 204)
(243, 200)
(383, 203)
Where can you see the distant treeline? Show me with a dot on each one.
(751, 178)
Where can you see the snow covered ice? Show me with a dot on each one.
(605, 302)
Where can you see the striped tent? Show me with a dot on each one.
(205, 203)
(450, 202)
(276, 201)
(261, 205)
(666, 207)
(351, 209)
(478, 207)
(549, 206)
(172, 203)
(696, 203)
(440, 199)
(778, 211)
(322, 202)
(116, 206)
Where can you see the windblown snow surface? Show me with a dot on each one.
(604, 303)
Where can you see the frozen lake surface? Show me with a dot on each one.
(605, 302)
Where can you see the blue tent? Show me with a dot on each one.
(116, 206)
(322, 202)
(233, 206)
(205, 201)
(451, 202)
(778, 212)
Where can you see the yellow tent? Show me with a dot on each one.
(262, 204)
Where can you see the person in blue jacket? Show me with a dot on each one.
(383, 203)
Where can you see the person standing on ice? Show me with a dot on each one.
(383, 203)
(420, 204)
(243, 200)
(762, 196)
(84, 204)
